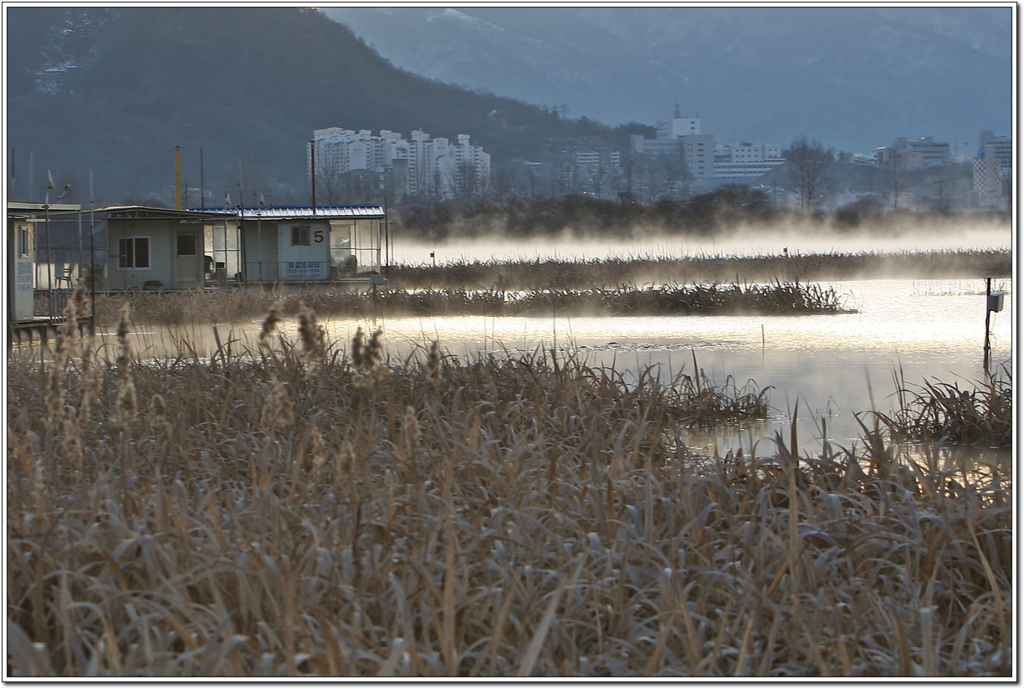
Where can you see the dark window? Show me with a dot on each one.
(133, 252)
(187, 245)
(24, 243)
(300, 235)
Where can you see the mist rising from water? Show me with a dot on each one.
(927, 233)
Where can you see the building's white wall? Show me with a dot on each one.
(21, 267)
(303, 262)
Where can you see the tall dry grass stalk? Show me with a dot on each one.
(498, 516)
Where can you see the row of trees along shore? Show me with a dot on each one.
(705, 214)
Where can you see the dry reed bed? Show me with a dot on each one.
(308, 510)
(181, 308)
(581, 274)
(944, 411)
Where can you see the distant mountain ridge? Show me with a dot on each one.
(853, 77)
(115, 89)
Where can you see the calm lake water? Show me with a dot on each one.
(826, 366)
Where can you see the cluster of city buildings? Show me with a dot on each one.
(993, 161)
(439, 169)
(419, 167)
(741, 162)
(706, 160)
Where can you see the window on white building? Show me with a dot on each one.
(24, 242)
(300, 235)
(133, 253)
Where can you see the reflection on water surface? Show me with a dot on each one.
(829, 366)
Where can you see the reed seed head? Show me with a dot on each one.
(73, 440)
(159, 409)
(374, 350)
(357, 348)
(312, 340)
(411, 426)
(92, 382)
(345, 462)
(434, 364)
(127, 403)
(269, 325)
(318, 448)
(123, 328)
(278, 409)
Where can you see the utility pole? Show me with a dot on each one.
(177, 178)
(940, 183)
(312, 171)
(92, 258)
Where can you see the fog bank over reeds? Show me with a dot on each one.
(487, 240)
(613, 272)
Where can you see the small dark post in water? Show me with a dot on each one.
(993, 302)
(988, 311)
(387, 248)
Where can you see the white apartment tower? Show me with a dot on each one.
(993, 169)
(435, 167)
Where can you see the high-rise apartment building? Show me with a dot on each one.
(993, 167)
(432, 168)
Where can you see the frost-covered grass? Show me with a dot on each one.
(300, 509)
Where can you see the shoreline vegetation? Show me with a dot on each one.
(306, 510)
(715, 213)
(767, 285)
(606, 273)
(179, 308)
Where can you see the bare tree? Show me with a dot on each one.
(438, 186)
(621, 178)
(598, 178)
(329, 180)
(896, 180)
(810, 163)
(505, 181)
(467, 180)
(666, 171)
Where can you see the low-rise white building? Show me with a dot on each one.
(683, 136)
(913, 155)
(741, 161)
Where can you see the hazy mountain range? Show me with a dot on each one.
(852, 77)
(115, 89)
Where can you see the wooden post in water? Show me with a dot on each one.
(988, 311)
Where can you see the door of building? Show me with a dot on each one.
(188, 267)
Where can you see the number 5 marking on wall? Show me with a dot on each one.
(318, 236)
